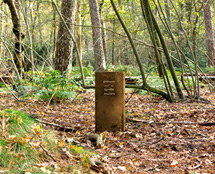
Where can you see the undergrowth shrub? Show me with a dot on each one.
(51, 85)
(16, 151)
(25, 147)
(128, 69)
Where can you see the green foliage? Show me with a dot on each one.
(16, 154)
(51, 85)
(54, 86)
(76, 149)
(40, 52)
(22, 144)
(157, 82)
(1, 84)
(85, 154)
(209, 69)
(16, 120)
(128, 69)
(88, 71)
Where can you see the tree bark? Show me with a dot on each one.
(1, 29)
(103, 30)
(113, 44)
(97, 36)
(209, 32)
(17, 30)
(64, 44)
(78, 31)
(168, 14)
(145, 3)
(154, 38)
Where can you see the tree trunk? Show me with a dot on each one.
(17, 30)
(97, 36)
(209, 32)
(1, 30)
(78, 31)
(53, 33)
(28, 63)
(64, 44)
(103, 30)
(154, 38)
(34, 19)
(168, 14)
(145, 3)
(194, 35)
(113, 44)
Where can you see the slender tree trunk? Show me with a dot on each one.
(17, 30)
(53, 35)
(34, 19)
(64, 44)
(27, 62)
(104, 34)
(168, 14)
(1, 29)
(78, 31)
(154, 38)
(146, 4)
(209, 32)
(103, 30)
(194, 35)
(144, 86)
(97, 36)
(113, 44)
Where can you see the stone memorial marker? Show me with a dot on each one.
(110, 101)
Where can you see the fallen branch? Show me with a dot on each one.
(163, 123)
(51, 98)
(47, 153)
(61, 128)
(155, 142)
(9, 89)
(197, 166)
(138, 141)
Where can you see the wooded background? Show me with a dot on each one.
(159, 36)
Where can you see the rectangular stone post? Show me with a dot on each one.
(110, 101)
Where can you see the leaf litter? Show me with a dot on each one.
(160, 137)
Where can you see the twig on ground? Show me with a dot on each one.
(47, 153)
(9, 89)
(155, 142)
(51, 98)
(139, 141)
(188, 133)
(119, 156)
(197, 166)
(62, 128)
(162, 123)
(75, 96)
(128, 99)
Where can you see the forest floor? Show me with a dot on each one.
(160, 137)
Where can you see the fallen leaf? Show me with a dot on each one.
(123, 168)
(174, 163)
(61, 143)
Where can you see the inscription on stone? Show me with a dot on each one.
(110, 101)
(109, 87)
